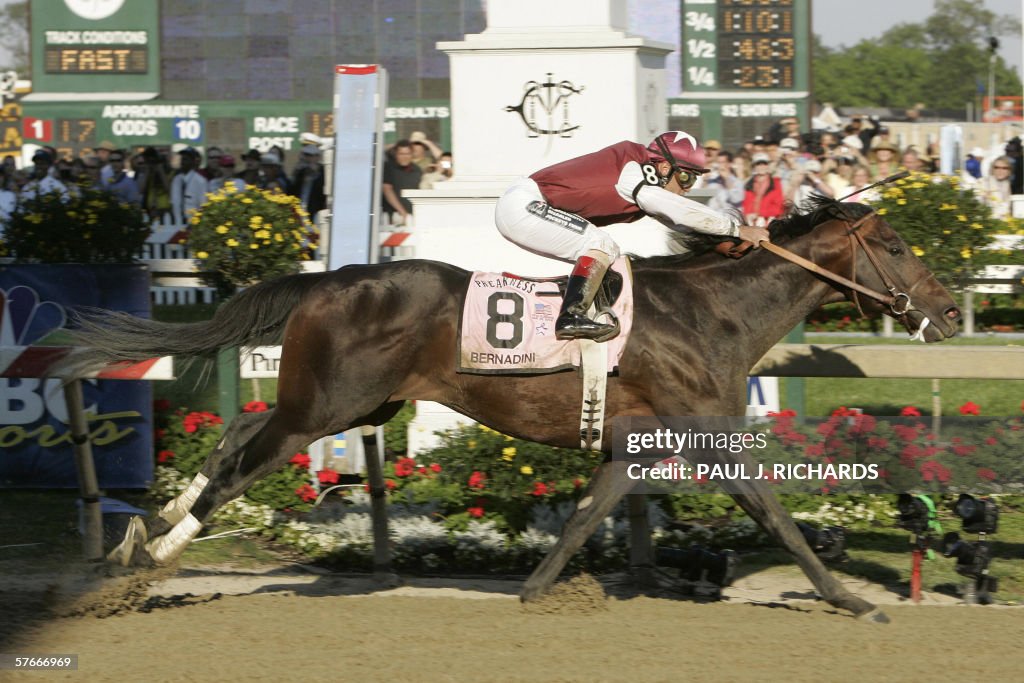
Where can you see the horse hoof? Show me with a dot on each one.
(530, 593)
(875, 616)
(135, 537)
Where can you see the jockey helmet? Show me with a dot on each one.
(679, 149)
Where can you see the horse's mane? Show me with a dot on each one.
(801, 220)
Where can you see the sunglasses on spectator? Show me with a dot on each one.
(1003, 168)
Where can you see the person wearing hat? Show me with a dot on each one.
(763, 199)
(307, 181)
(272, 177)
(226, 174)
(559, 211)
(809, 183)
(972, 164)
(250, 173)
(188, 186)
(42, 181)
(882, 161)
(103, 151)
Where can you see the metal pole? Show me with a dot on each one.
(88, 485)
(228, 393)
(378, 505)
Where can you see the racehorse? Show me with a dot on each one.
(699, 325)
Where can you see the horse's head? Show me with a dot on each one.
(862, 243)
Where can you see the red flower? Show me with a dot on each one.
(477, 480)
(190, 427)
(390, 484)
(576, 483)
(539, 489)
(434, 467)
(986, 473)
(991, 441)
(475, 512)
(300, 459)
(964, 450)
(932, 470)
(159, 433)
(306, 493)
(970, 408)
(164, 456)
(421, 470)
(161, 405)
(327, 477)
(910, 411)
(255, 407)
(405, 467)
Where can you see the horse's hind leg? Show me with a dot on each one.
(267, 449)
(237, 432)
(609, 484)
(765, 509)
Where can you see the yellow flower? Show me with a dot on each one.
(247, 200)
(508, 453)
(202, 254)
(966, 252)
(977, 226)
(471, 443)
(487, 430)
(261, 234)
(962, 218)
(278, 238)
(947, 207)
(256, 221)
(526, 469)
(883, 211)
(253, 245)
(901, 202)
(918, 251)
(232, 242)
(221, 229)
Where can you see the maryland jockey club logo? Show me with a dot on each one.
(24, 319)
(545, 108)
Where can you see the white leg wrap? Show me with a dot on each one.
(173, 543)
(177, 508)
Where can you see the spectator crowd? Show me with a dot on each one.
(147, 178)
(783, 168)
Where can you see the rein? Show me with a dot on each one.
(898, 302)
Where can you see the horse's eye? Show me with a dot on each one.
(896, 250)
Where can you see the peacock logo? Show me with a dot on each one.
(25, 319)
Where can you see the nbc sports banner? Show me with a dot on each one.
(36, 300)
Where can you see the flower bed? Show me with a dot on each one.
(483, 501)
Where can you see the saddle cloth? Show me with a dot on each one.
(508, 325)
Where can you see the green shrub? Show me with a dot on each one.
(91, 226)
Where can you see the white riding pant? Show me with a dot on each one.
(524, 217)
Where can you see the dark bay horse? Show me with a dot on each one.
(359, 341)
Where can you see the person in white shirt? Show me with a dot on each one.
(188, 187)
(42, 181)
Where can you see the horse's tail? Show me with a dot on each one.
(255, 316)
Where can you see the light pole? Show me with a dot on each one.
(993, 46)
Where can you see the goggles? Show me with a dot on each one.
(686, 177)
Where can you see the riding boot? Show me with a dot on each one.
(573, 322)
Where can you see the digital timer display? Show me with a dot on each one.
(96, 60)
(745, 45)
(756, 47)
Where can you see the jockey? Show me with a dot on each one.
(556, 212)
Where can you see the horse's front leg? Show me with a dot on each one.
(607, 487)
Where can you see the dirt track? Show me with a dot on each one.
(284, 625)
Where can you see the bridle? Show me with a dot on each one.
(899, 302)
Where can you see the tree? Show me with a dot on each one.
(939, 62)
(14, 54)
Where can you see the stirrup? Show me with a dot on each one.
(576, 326)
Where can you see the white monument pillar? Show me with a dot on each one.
(545, 82)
